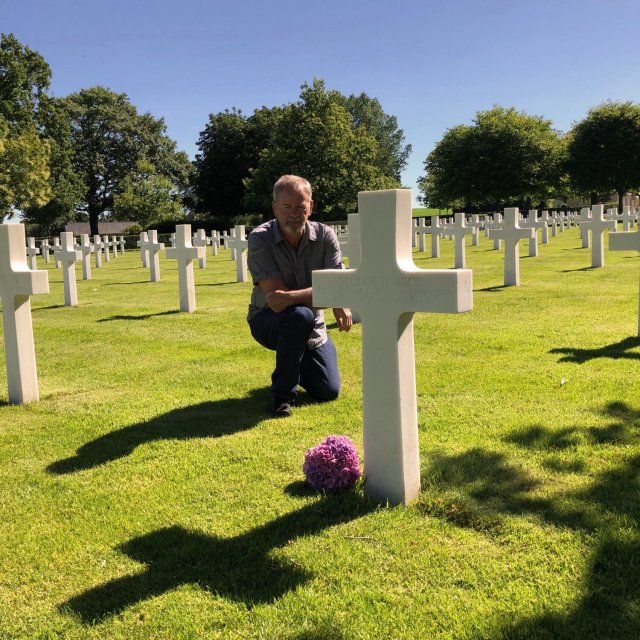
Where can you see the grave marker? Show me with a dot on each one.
(238, 245)
(185, 253)
(45, 247)
(144, 253)
(387, 288)
(97, 249)
(626, 241)
(511, 232)
(17, 283)
(68, 255)
(32, 252)
(434, 230)
(215, 242)
(86, 249)
(458, 231)
(153, 248)
(106, 246)
(56, 247)
(597, 225)
(200, 240)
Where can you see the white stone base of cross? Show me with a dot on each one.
(387, 288)
(17, 283)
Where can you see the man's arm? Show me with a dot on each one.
(279, 297)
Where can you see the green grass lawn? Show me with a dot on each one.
(147, 495)
(422, 212)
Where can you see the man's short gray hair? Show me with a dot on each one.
(291, 183)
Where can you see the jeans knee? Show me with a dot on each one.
(330, 392)
(300, 318)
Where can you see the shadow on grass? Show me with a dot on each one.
(217, 284)
(243, 568)
(477, 489)
(581, 269)
(52, 306)
(497, 287)
(120, 284)
(205, 420)
(145, 316)
(615, 351)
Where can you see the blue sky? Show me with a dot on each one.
(431, 64)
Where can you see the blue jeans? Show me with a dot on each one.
(287, 334)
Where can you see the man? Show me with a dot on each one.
(282, 254)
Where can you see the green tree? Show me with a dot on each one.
(603, 150)
(24, 150)
(316, 138)
(505, 157)
(229, 146)
(146, 197)
(109, 138)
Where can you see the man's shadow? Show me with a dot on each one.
(615, 351)
(204, 420)
(243, 568)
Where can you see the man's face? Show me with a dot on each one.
(292, 209)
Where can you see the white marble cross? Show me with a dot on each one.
(17, 283)
(233, 235)
(458, 231)
(420, 228)
(435, 229)
(144, 253)
(200, 240)
(495, 223)
(122, 243)
(45, 247)
(97, 249)
(215, 242)
(511, 233)
(545, 227)
(474, 225)
(32, 251)
(185, 253)
(626, 241)
(238, 245)
(106, 246)
(86, 249)
(532, 222)
(67, 254)
(56, 247)
(597, 225)
(387, 288)
(585, 216)
(153, 248)
(628, 217)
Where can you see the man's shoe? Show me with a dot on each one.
(280, 408)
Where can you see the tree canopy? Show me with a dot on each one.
(504, 157)
(109, 138)
(603, 150)
(25, 152)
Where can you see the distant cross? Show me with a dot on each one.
(545, 227)
(387, 288)
(106, 245)
(628, 218)
(597, 225)
(200, 240)
(86, 249)
(17, 283)
(153, 249)
(239, 244)
(122, 243)
(233, 235)
(45, 247)
(474, 225)
(215, 242)
(97, 249)
(496, 223)
(626, 241)
(144, 253)
(435, 229)
(420, 228)
(532, 222)
(68, 255)
(554, 224)
(585, 216)
(185, 253)
(32, 252)
(458, 231)
(511, 232)
(56, 247)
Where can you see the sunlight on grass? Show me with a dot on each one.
(148, 495)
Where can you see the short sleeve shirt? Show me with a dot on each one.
(270, 256)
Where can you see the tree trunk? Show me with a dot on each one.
(621, 193)
(594, 198)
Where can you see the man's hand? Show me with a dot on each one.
(278, 300)
(343, 318)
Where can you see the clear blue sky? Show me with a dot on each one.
(431, 64)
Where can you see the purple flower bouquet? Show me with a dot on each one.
(333, 464)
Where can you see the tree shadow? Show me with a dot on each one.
(204, 420)
(243, 568)
(52, 306)
(477, 488)
(616, 351)
(145, 316)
